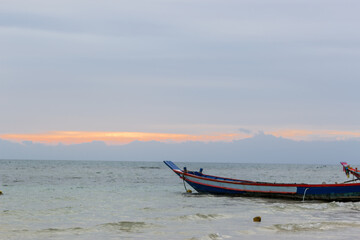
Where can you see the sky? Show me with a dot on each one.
(261, 148)
(177, 71)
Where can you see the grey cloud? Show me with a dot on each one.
(77, 65)
(244, 130)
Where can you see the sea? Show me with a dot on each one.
(146, 200)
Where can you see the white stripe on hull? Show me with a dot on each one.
(241, 187)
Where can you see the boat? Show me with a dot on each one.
(348, 169)
(202, 183)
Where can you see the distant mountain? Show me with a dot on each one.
(260, 148)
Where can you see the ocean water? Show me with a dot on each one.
(146, 200)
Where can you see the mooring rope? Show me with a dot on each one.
(304, 194)
(184, 182)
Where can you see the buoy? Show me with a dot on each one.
(257, 219)
(189, 191)
(1, 193)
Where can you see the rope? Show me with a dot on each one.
(304, 194)
(183, 177)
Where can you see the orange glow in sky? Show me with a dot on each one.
(71, 137)
(116, 138)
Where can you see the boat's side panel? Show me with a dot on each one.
(222, 191)
(350, 192)
(339, 192)
(221, 186)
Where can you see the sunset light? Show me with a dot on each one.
(113, 138)
(120, 138)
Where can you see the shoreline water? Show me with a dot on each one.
(145, 200)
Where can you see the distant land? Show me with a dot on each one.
(258, 149)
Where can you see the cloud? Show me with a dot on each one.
(244, 130)
(95, 65)
(311, 135)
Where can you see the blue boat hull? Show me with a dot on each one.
(235, 187)
(348, 193)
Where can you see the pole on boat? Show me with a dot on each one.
(352, 180)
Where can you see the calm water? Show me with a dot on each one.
(142, 200)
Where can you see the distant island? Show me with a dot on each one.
(261, 148)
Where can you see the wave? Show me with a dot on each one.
(316, 206)
(211, 236)
(200, 216)
(74, 229)
(149, 167)
(126, 226)
(215, 236)
(313, 226)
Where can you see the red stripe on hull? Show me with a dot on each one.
(267, 184)
(240, 190)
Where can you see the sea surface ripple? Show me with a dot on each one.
(145, 200)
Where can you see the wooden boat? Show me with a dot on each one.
(203, 183)
(354, 171)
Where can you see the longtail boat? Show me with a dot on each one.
(202, 183)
